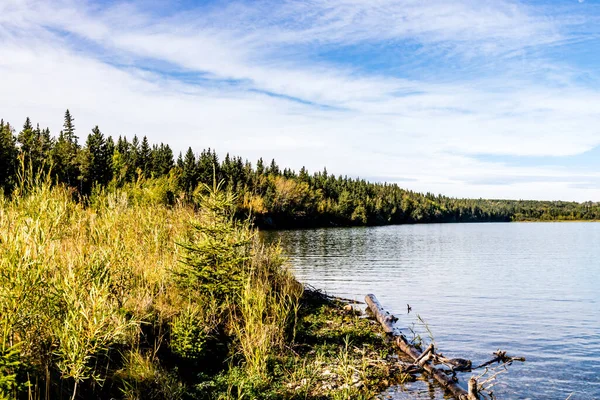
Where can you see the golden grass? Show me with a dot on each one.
(83, 289)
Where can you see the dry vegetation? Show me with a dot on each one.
(138, 295)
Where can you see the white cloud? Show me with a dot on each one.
(420, 132)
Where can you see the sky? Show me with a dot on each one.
(481, 99)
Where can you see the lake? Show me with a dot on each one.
(532, 289)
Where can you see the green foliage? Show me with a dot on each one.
(74, 283)
(142, 378)
(91, 324)
(188, 334)
(162, 160)
(99, 158)
(144, 159)
(69, 128)
(189, 176)
(8, 156)
(271, 196)
(9, 365)
(95, 303)
(216, 251)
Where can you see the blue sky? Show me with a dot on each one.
(495, 99)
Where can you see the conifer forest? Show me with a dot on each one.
(272, 195)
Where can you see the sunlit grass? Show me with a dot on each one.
(138, 292)
(95, 294)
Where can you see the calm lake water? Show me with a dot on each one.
(532, 289)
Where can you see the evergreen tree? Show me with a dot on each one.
(69, 129)
(303, 175)
(167, 162)
(122, 171)
(288, 198)
(26, 141)
(144, 159)
(209, 167)
(45, 143)
(65, 154)
(260, 166)
(122, 145)
(8, 156)
(110, 149)
(232, 171)
(65, 160)
(189, 176)
(35, 145)
(41, 149)
(273, 168)
(133, 156)
(227, 170)
(99, 160)
(162, 160)
(248, 171)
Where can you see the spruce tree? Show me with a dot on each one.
(239, 174)
(64, 160)
(110, 149)
(132, 159)
(209, 167)
(122, 171)
(303, 175)
(69, 129)
(99, 162)
(65, 154)
(40, 151)
(144, 159)
(260, 166)
(162, 160)
(248, 171)
(228, 171)
(45, 145)
(190, 172)
(273, 168)
(26, 141)
(8, 156)
(166, 159)
(122, 145)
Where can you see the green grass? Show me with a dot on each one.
(135, 293)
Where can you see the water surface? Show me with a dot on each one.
(532, 289)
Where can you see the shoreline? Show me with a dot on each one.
(343, 354)
(262, 228)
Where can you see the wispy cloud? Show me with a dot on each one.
(413, 91)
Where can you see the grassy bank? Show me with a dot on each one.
(140, 294)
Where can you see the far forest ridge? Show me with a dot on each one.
(272, 196)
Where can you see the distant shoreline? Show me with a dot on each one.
(559, 220)
(302, 226)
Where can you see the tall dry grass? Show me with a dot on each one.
(103, 299)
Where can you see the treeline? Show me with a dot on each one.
(275, 197)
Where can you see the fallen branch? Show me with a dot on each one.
(455, 364)
(472, 391)
(501, 357)
(386, 319)
(383, 316)
(423, 361)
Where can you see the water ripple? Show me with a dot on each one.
(531, 289)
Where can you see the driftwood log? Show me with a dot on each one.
(421, 359)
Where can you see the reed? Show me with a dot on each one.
(103, 297)
(268, 299)
(139, 292)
